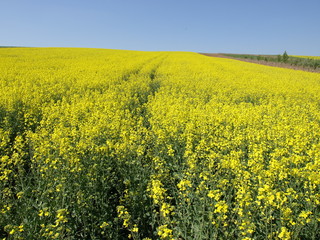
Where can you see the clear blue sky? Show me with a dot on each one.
(232, 26)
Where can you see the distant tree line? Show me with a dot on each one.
(284, 58)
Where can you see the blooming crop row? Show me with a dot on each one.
(110, 144)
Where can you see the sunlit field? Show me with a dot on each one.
(309, 57)
(111, 144)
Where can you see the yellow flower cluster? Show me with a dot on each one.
(110, 144)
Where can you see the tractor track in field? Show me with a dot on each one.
(263, 62)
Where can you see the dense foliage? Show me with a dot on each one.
(106, 144)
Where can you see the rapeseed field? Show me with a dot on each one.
(112, 144)
(309, 57)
